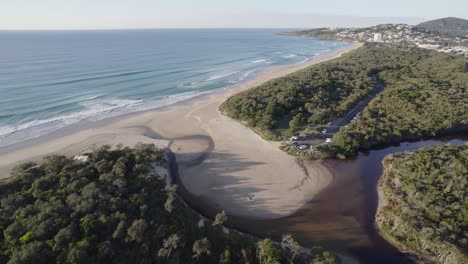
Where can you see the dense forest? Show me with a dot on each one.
(317, 94)
(116, 207)
(424, 206)
(424, 95)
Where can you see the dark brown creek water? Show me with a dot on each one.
(340, 218)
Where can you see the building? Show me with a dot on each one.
(377, 37)
(361, 36)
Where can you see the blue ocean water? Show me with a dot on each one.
(52, 79)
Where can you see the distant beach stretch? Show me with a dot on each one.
(219, 159)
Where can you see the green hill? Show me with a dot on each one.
(450, 26)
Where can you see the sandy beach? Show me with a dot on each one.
(219, 159)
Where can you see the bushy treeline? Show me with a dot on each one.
(317, 94)
(116, 208)
(425, 205)
(317, 33)
(425, 96)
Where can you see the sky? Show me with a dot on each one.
(126, 14)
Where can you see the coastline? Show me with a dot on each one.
(219, 159)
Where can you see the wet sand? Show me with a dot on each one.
(219, 159)
(341, 217)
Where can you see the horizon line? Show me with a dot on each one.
(185, 28)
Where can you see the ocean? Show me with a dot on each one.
(53, 79)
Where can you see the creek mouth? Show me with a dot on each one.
(340, 218)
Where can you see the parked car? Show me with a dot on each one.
(303, 147)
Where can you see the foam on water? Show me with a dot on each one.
(50, 80)
(223, 75)
(91, 108)
(259, 61)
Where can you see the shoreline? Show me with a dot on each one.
(219, 159)
(87, 123)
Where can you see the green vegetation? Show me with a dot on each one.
(115, 208)
(317, 94)
(220, 218)
(318, 33)
(424, 206)
(424, 96)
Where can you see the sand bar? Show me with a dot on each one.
(219, 159)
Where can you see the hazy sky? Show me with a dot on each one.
(114, 14)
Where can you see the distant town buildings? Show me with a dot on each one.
(398, 34)
(361, 36)
(377, 37)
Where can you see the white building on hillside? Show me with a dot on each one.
(377, 37)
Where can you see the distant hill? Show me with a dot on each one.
(451, 26)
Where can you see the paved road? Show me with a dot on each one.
(340, 122)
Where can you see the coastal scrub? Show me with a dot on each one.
(423, 202)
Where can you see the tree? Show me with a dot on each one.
(288, 242)
(34, 252)
(296, 122)
(13, 232)
(55, 163)
(88, 224)
(169, 244)
(103, 166)
(267, 253)
(345, 142)
(324, 257)
(225, 257)
(119, 231)
(105, 251)
(78, 255)
(63, 237)
(168, 205)
(220, 218)
(137, 230)
(200, 247)
(119, 168)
